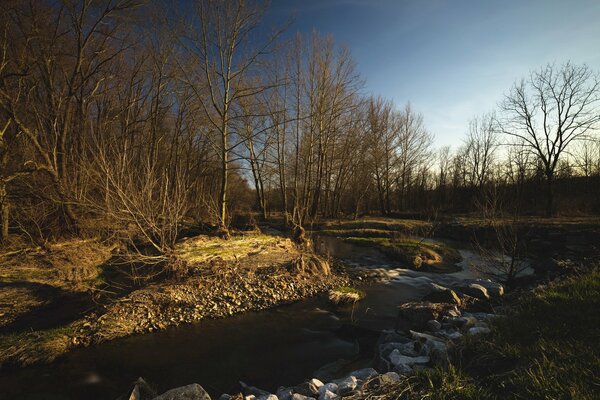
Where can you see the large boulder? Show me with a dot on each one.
(347, 385)
(139, 390)
(189, 392)
(364, 374)
(253, 391)
(441, 294)
(474, 290)
(397, 358)
(414, 316)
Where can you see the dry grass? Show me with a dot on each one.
(202, 249)
(345, 295)
(380, 223)
(34, 347)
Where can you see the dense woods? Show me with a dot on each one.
(143, 128)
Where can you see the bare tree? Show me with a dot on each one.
(481, 144)
(550, 110)
(219, 65)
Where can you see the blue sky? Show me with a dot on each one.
(451, 59)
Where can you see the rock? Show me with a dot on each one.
(389, 378)
(441, 294)
(364, 374)
(391, 336)
(423, 337)
(433, 325)
(403, 369)
(347, 385)
(408, 349)
(416, 315)
(475, 290)
(225, 396)
(305, 389)
(189, 392)
(477, 330)
(141, 390)
(269, 397)
(251, 390)
(328, 395)
(482, 316)
(298, 396)
(436, 347)
(314, 385)
(332, 387)
(450, 334)
(494, 289)
(397, 358)
(284, 393)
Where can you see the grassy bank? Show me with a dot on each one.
(415, 253)
(547, 347)
(211, 278)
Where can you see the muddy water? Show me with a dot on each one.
(282, 346)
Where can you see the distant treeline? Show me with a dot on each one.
(121, 117)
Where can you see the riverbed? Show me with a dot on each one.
(281, 346)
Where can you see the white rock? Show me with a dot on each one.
(268, 397)
(298, 396)
(284, 393)
(332, 387)
(434, 325)
(189, 392)
(396, 358)
(450, 334)
(426, 337)
(314, 384)
(478, 330)
(328, 395)
(403, 369)
(347, 385)
(408, 349)
(388, 378)
(364, 374)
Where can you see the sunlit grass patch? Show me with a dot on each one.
(203, 248)
(414, 252)
(27, 348)
(345, 295)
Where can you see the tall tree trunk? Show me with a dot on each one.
(4, 213)
(549, 194)
(224, 177)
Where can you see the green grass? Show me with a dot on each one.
(388, 224)
(366, 233)
(410, 250)
(27, 348)
(547, 347)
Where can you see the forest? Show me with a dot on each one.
(124, 118)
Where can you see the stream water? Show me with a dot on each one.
(282, 346)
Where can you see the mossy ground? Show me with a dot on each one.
(203, 248)
(380, 223)
(414, 253)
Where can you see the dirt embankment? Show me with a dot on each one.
(211, 278)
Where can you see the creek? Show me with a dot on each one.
(281, 346)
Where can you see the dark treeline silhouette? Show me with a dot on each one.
(121, 118)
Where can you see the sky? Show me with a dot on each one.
(452, 59)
